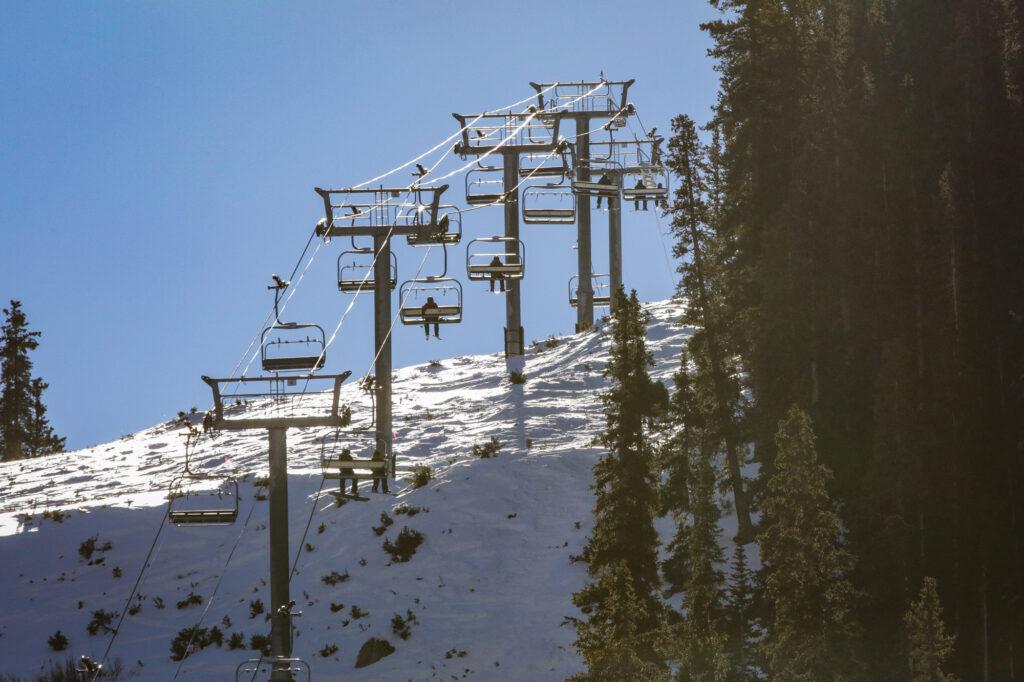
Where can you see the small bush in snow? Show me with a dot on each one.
(333, 578)
(517, 377)
(550, 342)
(404, 546)
(435, 364)
(192, 639)
(101, 621)
(116, 572)
(408, 510)
(260, 643)
(90, 546)
(320, 530)
(385, 521)
(57, 516)
(328, 650)
(57, 641)
(255, 608)
(236, 641)
(421, 475)
(357, 613)
(192, 599)
(488, 449)
(336, 607)
(400, 626)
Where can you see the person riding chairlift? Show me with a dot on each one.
(346, 456)
(497, 276)
(430, 312)
(636, 201)
(380, 477)
(605, 179)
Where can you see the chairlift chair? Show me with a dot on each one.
(358, 278)
(291, 346)
(601, 286)
(482, 188)
(549, 204)
(272, 668)
(480, 265)
(414, 293)
(183, 511)
(449, 230)
(604, 170)
(653, 181)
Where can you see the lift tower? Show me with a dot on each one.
(585, 102)
(289, 405)
(510, 134)
(382, 213)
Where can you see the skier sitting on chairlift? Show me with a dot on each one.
(603, 180)
(429, 310)
(346, 456)
(380, 476)
(636, 201)
(497, 276)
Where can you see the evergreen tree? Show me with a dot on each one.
(805, 565)
(930, 646)
(16, 340)
(739, 610)
(41, 438)
(701, 638)
(624, 538)
(614, 639)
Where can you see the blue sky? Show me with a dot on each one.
(157, 163)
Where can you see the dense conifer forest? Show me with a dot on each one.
(852, 225)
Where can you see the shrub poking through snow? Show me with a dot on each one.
(357, 613)
(192, 599)
(100, 622)
(90, 546)
(372, 651)
(333, 578)
(385, 521)
(435, 364)
(488, 449)
(421, 475)
(550, 342)
(336, 607)
(328, 650)
(404, 546)
(255, 608)
(408, 510)
(260, 643)
(517, 377)
(58, 641)
(236, 641)
(400, 626)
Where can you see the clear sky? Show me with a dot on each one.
(157, 163)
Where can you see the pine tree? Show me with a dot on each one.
(930, 646)
(16, 340)
(624, 538)
(739, 610)
(41, 440)
(805, 565)
(702, 640)
(614, 639)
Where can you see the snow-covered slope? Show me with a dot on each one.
(489, 587)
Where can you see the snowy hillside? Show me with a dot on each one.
(489, 587)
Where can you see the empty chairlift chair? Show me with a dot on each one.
(355, 271)
(485, 185)
(446, 294)
(291, 346)
(600, 284)
(549, 204)
(202, 500)
(507, 261)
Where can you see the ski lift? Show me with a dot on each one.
(358, 278)
(652, 183)
(291, 346)
(540, 165)
(606, 184)
(506, 263)
(549, 204)
(202, 500)
(483, 188)
(272, 668)
(447, 295)
(336, 467)
(600, 285)
(449, 230)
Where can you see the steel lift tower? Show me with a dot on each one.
(607, 101)
(509, 135)
(287, 397)
(382, 213)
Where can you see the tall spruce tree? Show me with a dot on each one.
(810, 636)
(694, 216)
(41, 440)
(930, 645)
(701, 637)
(16, 412)
(739, 614)
(622, 549)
